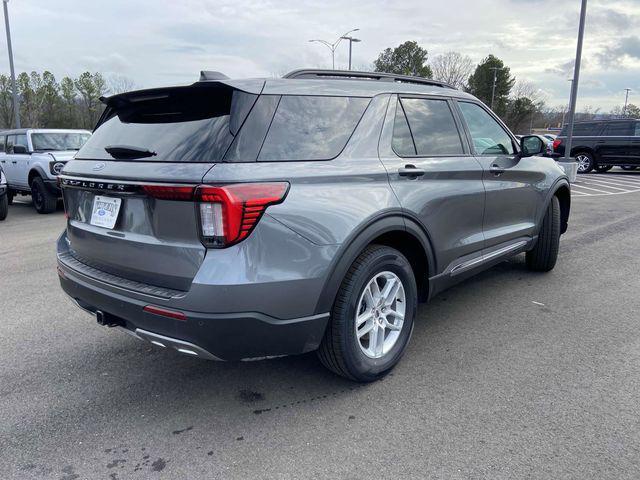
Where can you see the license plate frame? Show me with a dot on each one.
(105, 211)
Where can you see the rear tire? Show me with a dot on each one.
(4, 207)
(360, 316)
(585, 162)
(43, 201)
(628, 167)
(604, 168)
(543, 256)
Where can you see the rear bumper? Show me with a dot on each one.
(227, 336)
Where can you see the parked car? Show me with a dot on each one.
(244, 219)
(4, 201)
(602, 144)
(33, 158)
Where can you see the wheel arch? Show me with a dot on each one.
(562, 190)
(394, 230)
(36, 171)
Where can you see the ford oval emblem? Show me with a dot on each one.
(99, 166)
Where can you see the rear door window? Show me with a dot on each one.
(618, 129)
(431, 126)
(311, 127)
(488, 136)
(637, 134)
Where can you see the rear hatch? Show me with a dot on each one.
(122, 192)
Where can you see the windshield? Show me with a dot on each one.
(58, 141)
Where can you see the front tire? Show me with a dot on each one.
(43, 201)
(585, 162)
(628, 167)
(543, 256)
(372, 317)
(4, 207)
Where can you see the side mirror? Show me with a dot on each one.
(20, 149)
(532, 145)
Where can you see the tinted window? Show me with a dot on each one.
(246, 145)
(311, 127)
(402, 141)
(637, 129)
(184, 124)
(432, 127)
(2, 144)
(618, 129)
(489, 138)
(11, 140)
(582, 129)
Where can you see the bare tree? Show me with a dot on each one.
(120, 84)
(453, 68)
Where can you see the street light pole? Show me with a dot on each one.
(351, 41)
(16, 111)
(574, 84)
(334, 45)
(495, 79)
(626, 101)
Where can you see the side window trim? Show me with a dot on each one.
(466, 151)
(514, 142)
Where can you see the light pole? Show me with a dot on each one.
(626, 102)
(334, 45)
(16, 111)
(351, 41)
(495, 79)
(574, 84)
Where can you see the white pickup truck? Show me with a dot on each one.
(32, 159)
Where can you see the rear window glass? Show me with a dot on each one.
(311, 127)
(184, 124)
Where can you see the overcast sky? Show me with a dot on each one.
(157, 42)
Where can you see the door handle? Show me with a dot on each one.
(410, 171)
(600, 142)
(14, 161)
(497, 170)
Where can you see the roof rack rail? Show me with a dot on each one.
(356, 75)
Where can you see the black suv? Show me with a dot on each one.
(603, 144)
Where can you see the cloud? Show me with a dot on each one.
(626, 48)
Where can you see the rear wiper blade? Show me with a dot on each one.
(128, 152)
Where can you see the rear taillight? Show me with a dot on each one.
(556, 143)
(229, 213)
(169, 192)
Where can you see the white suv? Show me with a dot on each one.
(33, 158)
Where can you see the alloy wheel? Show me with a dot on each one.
(584, 163)
(380, 314)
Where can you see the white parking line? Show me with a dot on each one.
(606, 185)
(594, 189)
(615, 181)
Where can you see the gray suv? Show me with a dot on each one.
(244, 219)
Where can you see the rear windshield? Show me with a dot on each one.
(215, 124)
(190, 124)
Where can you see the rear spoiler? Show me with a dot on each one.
(123, 100)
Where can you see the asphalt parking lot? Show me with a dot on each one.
(508, 375)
